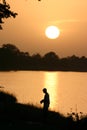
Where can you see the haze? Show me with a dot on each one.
(27, 30)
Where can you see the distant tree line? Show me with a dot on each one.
(11, 58)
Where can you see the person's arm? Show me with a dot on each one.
(42, 101)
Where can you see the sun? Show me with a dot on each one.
(52, 32)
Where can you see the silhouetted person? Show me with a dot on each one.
(46, 102)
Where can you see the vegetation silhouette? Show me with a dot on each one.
(13, 59)
(6, 12)
(14, 115)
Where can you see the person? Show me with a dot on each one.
(46, 102)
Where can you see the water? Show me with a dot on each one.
(68, 90)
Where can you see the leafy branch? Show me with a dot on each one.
(5, 12)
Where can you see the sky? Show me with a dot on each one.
(27, 30)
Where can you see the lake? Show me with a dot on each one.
(67, 90)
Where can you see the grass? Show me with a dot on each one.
(14, 115)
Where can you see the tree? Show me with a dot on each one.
(11, 48)
(5, 12)
(51, 56)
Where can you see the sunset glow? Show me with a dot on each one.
(52, 32)
(51, 83)
(27, 30)
(43, 68)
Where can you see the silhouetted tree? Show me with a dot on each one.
(51, 56)
(10, 47)
(36, 61)
(5, 11)
(51, 60)
(11, 58)
(9, 55)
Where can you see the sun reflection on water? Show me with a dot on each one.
(51, 83)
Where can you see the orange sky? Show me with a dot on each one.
(27, 31)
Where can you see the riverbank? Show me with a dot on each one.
(14, 115)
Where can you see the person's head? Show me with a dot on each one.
(44, 90)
